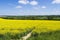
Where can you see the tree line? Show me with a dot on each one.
(37, 17)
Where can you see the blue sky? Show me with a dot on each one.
(29, 7)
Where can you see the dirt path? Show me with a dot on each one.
(26, 37)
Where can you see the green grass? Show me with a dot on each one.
(52, 35)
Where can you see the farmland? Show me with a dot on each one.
(22, 27)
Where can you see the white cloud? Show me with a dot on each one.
(34, 3)
(18, 7)
(56, 2)
(23, 1)
(43, 7)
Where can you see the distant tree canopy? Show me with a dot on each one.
(38, 17)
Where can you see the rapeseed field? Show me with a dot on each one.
(17, 26)
(41, 29)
